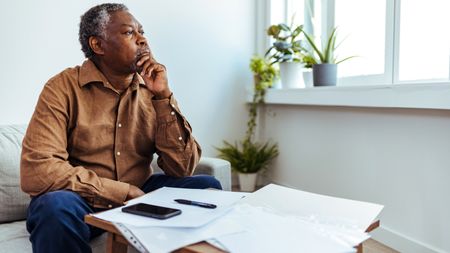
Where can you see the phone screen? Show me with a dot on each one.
(159, 212)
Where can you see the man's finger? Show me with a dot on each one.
(143, 59)
(150, 71)
(148, 64)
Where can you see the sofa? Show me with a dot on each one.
(14, 202)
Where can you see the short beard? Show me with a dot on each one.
(134, 68)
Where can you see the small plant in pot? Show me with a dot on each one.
(323, 60)
(249, 157)
(309, 61)
(288, 51)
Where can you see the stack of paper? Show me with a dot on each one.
(280, 219)
(272, 219)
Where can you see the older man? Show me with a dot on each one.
(95, 129)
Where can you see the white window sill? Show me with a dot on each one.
(424, 96)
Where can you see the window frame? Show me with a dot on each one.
(423, 94)
(392, 34)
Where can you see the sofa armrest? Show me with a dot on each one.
(219, 168)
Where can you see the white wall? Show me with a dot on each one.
(206, 46)
(395, 157)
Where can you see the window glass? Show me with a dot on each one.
(424, 40)
(277, 12)
(296, 11)
(361, 31)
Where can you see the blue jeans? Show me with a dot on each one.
(56, 219)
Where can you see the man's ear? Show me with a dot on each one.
(96, 45)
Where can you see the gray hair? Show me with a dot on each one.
(94, 22)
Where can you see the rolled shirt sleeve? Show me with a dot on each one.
(178, 152)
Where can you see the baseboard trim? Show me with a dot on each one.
(402, 243)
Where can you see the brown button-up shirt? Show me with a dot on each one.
(86, 137)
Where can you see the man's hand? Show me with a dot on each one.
(155, 76)
(134, 192)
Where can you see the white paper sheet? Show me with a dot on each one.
(269, 232)
(191, 216)
(166, 239)
(315, 208)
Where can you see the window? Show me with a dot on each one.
(424, 40)
(395, 41)
(365, 38)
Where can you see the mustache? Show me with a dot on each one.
(142, 51)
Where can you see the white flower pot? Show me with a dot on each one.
(291, 74)
(308, 78)
(247, 181)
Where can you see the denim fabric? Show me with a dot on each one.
(56, 219)
(159, 180)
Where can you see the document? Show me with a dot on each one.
(270, 232)
(281, 219)
(191, 216)
(316, 208)
(168, 239)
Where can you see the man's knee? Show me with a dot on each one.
(56, 219)
(55, 203)
(56, 209)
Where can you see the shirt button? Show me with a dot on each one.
(172, 113)
(120, 125)
(109, 206)
(179, 138)
(118, 153)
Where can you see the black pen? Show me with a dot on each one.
(195, 203)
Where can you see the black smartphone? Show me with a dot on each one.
(158, 212)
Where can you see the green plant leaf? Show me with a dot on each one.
(247, 156)
(297, 31)
(313, 45)
(268, 51)
(329, 49)
(284, 27)
(273, 30)
(347, 58)
(281, 45)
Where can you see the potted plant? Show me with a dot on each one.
(324, 61)
(288, 52)
(308, 61)
(249, 157)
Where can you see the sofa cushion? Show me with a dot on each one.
(13, 202)
(15, 238)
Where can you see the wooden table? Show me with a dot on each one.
(116, 243)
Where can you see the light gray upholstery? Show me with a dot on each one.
(13, 202)
(219, 168)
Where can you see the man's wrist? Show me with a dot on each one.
(163, 95)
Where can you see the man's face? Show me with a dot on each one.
(124, 44)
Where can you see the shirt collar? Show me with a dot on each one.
(89, 73)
